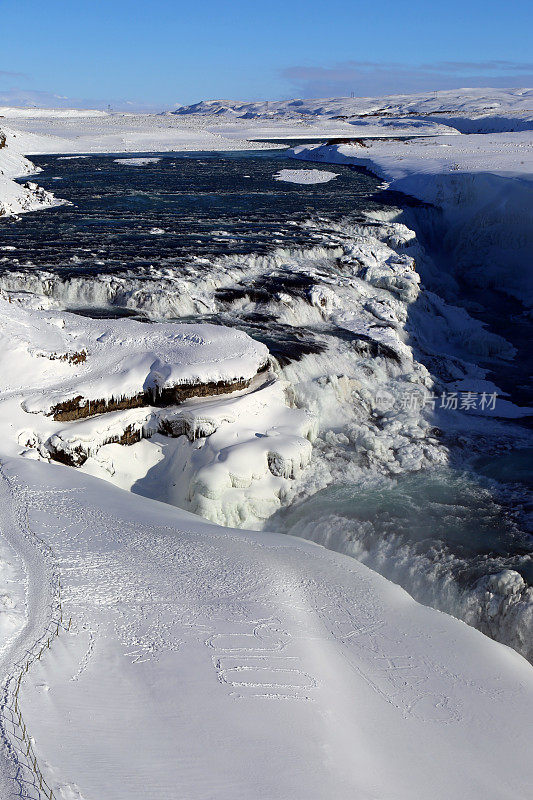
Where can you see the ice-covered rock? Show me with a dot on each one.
(110, 365)
(230, 459)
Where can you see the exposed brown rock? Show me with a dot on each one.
(340, 140)
(72, 458)
(80, 408)
(183, 391)
(72, 358)
(190, 427)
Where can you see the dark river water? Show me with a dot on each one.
(204, 205)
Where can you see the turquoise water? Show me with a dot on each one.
(472, 518)
(458, 540)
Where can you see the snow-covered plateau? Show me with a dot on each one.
(161, 634)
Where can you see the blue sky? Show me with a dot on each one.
(165, 52)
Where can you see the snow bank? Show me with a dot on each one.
(14, 198)
(108, 361)
(264, 129)
(84, 391)
(230, 459)
(484, 186)
(123, 133)
(12, 605)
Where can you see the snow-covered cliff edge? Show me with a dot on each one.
(482, 183)
(14, 198)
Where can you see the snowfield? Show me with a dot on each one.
(120, 133)
(146, 652)
(236, 664)
(10, 112)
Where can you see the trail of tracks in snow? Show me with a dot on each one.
(18, 770)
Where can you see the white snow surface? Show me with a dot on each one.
(484, 185)
(19, 112)
(230, 458)
(232, 463)
(237, 665)
(306, 176)
(469, 101)
(14, 198)
(121, 133)
(122, 358)
(403, 163)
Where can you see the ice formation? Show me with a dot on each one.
(305, 175)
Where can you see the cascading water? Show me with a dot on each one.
(325, 276)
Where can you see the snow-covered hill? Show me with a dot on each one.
(467, 101)
(485, 109)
